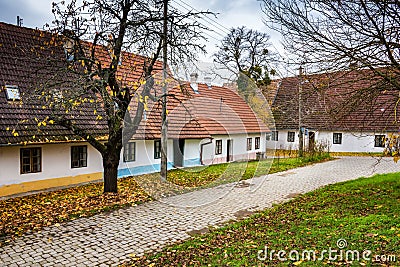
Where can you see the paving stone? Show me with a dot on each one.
(109, 239)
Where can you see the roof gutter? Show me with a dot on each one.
(201, 149)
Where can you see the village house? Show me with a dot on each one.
(207, 124)
(348, 111)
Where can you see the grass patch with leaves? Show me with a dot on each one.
(235, 171)
(364, 212)
(33, 212)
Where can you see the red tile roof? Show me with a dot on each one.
(349, 101)
(24, 60)
(210, 111)
(31, 57)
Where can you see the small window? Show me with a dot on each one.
(157, 149)
(249, 143)
(337, 138)
(379, 141)
(78, 156)
(257, 142)
(31, 160)
(290, 136)
(144, 115)
(218, 147)
(12, 92)
(274, 135)
(130, 152)
(268, 137)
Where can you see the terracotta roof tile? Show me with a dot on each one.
(26, 56)
(210, 111)
(350, 100)
(23, 59)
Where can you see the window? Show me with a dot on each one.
(12, 92)
(268, 137)
(290, 136)
(379, 141)
(144, 115)
(257, 143)
(218, 147)
(274, 135)
(31, 160)
(337, 138)
(130, 152)
(78, 156)
(157, 149)
(249, 143)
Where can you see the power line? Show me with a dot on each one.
(219, 30)
(211, 23)
(220, 26)
(211, 33)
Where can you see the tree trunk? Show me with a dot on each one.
(110, 165)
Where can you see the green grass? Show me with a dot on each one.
(364, 212)
(236, 171)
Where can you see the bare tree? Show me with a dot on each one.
(97, 36)
(335, 35)
(246, 51)
(356, 41)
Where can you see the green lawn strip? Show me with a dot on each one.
(365, 212)
(33, 212)
(235, 171)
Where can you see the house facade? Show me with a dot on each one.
(334, 112)
(332, 141)
(207, 125)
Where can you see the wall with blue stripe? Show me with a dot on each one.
(138, 170)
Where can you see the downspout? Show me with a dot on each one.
(201, 149)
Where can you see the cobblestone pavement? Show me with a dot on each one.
(112, 238)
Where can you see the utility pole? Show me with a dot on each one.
(299, 98)
(164, 126)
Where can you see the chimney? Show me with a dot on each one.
(19, 21)
(193, 82)
(207, 80)
(193, 77)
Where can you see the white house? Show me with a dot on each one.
(333, 111)
(207, 125)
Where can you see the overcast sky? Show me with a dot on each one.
(234, 13)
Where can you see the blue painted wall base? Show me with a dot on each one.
(138, 170)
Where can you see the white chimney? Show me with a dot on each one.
(193, 77)
(207, 80)
(193, 82)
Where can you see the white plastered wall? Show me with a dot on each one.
(239, 148)
(351, 141)
(56, 163)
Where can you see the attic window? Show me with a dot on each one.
(144, 115)
(12, 92)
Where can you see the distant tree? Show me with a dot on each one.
(246, 51)
(96, 35)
